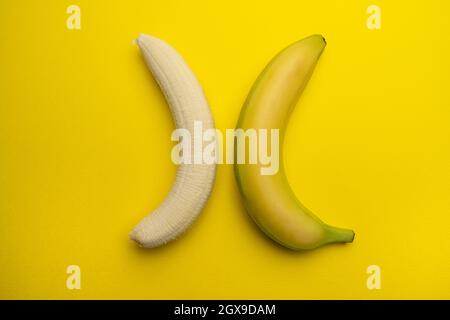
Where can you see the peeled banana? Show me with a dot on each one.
(194, 181)
(269, 199)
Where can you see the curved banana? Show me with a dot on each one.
(268, 199)
(193, 182)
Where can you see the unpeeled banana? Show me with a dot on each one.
(193, 183)
(268, 199)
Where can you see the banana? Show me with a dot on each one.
(268, 199)
(193, 183)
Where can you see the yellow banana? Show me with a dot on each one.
(268, 199)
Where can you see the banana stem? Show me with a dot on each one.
(339, 235)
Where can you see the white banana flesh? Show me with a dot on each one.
(193, 183)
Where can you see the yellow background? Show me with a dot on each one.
(85, 149)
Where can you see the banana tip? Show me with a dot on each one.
(136, 237)
(139, 39)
